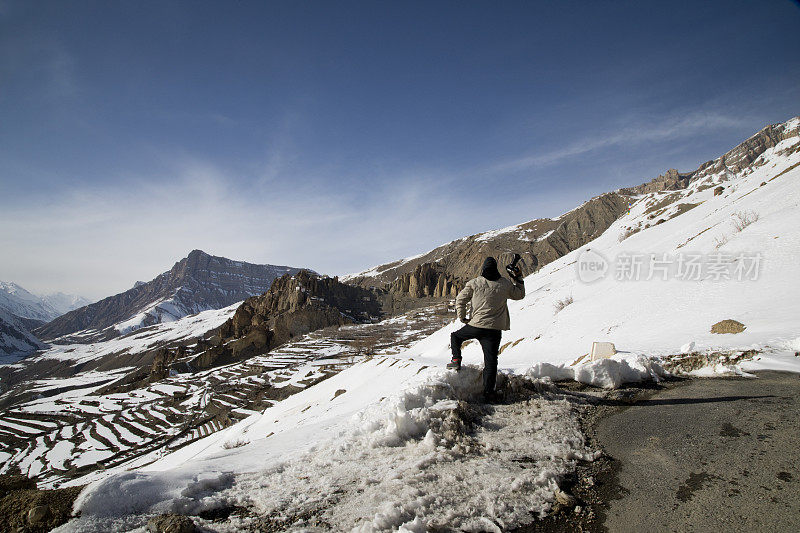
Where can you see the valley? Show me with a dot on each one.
(84, 427)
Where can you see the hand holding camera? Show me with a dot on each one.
(513, 270)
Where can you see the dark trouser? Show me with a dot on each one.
(490, 342)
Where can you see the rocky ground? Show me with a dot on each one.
(23, 508)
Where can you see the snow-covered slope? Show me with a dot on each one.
(696, 267)
(382, 446)
(64, 303)
(442, 271)
(19, 302)
(15, 339)
(139, 341)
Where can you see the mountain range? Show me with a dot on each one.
(21, 311)
(44, 308)
(202, 282)
(237, 388)
(198, 282)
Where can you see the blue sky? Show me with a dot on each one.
(339, 135)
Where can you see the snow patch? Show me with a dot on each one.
(423, 458)
(606, 373)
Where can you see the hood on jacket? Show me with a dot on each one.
(489, 269)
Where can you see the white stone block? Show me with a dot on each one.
(602, 350)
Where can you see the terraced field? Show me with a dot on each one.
(79, 428)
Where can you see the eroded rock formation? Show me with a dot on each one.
(442, 272)
(293, 306)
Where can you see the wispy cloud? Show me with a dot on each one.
(636, 131)
(99, 240)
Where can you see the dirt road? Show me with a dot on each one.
(707, 455)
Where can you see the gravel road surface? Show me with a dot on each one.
(707, 455)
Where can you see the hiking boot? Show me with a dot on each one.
(492, 397)
(454, 364)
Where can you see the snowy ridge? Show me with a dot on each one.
(64, 303)
(159, 312)
(705, 175)
(24, 304)
(140, 340)
(18, 301)
(656, 317)
(377, 270)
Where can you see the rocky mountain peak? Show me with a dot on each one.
(198, 259)
(196, 283)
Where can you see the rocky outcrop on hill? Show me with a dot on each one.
(427, 279)
(198, 282)
(442, 272)
(748, 152)
(293, 306)
(740, 158)
(672, 180)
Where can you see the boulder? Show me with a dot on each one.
(255, 342)
(38, 514)
(728, 326)
(672, 180)
(241, 320)
(170, 523)
(602, 350)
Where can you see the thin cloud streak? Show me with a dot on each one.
(664, 130)
(98, 241)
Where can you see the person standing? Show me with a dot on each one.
(487, 295)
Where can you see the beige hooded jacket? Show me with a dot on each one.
(488, 301)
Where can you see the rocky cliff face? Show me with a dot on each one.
(672, 180)
(293, 306)
(15, 339)
(427, 279)
(444, 271)
(198, 282)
